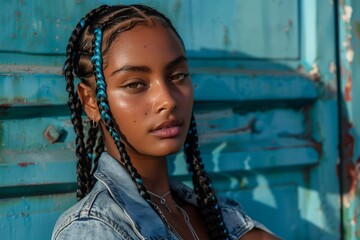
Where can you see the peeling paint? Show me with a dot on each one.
(314, 72)
(346, 17)
(332, 68)
(350, 55)
(347, 52)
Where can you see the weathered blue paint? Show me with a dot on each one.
(46, 29)
(349, 49)
(31, 217)
(240, 86)
(266, 105)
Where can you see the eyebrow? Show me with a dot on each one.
(146, 69)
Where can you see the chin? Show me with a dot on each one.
(167, 149)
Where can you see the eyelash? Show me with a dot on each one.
(138, 84)
(132, 84)
(183, 76)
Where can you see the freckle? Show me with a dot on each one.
(146, 113)
(134, 121)
(145, 46)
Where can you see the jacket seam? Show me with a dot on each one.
(77, 215)
(109, 222)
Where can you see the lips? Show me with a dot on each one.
(167, 129)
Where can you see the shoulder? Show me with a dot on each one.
(89, 229)
(97, 216)
(236, 220)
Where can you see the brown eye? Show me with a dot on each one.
(134, 85)
(178, 76)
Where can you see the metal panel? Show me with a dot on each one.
(46, 27)
(349, 49)
(266, 105)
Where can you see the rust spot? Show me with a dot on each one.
(350, 180)
(348, 140)
(25, 164)
(348, 88)
(5, 105)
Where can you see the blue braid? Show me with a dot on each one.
(104, 108)
(82, 23)
(96, 60)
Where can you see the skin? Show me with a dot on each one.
(148, 85)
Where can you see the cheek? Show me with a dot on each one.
(126, 111)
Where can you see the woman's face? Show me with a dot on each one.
(149, 91)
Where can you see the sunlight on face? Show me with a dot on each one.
(149, 91)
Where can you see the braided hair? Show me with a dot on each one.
(84, 59)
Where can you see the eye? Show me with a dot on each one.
(134, 85)
(178, 76)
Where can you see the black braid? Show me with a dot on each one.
(98, 150)
(107, 18)
(206, 198)
(83, 167)
(76, 111)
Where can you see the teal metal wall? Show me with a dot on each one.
(349, 85)
(268, 99)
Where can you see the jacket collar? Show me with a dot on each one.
(124, 191)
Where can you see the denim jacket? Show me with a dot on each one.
(115, 210)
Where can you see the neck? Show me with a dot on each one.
(153, 170)
(154, 174)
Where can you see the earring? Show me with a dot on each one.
(94, 124)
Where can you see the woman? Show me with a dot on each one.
(135, 87)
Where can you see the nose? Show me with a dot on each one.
(164, 98)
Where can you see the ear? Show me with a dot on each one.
(88, 99)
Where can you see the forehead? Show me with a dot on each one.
(144, 42)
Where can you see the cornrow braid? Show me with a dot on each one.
(83, 167)
(206, 198)
(106, 117)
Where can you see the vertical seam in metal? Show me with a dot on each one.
(339, 97)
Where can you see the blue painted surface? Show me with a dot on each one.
(349, 31)
(46, 28)
(266, 106)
